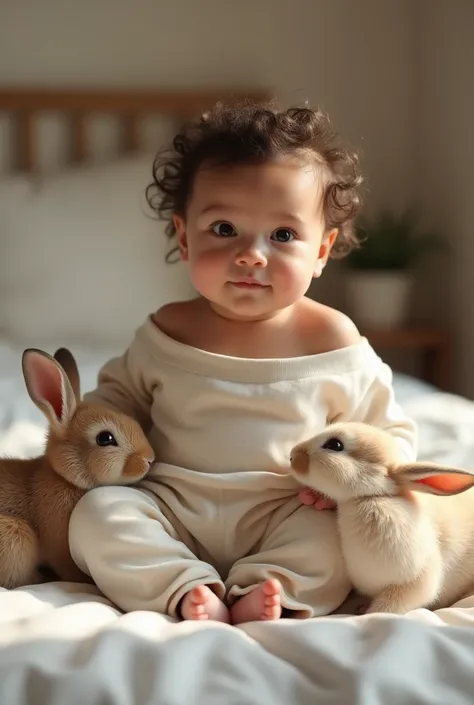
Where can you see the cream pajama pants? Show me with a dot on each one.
(146, 548)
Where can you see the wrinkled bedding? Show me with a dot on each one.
(65, 644)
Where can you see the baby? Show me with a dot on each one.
(226, 384)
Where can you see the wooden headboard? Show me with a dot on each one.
(23, 107)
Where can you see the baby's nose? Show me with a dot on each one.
(252, 256)
(299, 460)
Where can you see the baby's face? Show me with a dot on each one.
(254, 236)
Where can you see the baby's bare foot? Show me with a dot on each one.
(201, 603)
(262, 604)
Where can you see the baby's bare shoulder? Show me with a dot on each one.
(326, 328)
(174, 319)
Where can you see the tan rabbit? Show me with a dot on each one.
(87, 446)
(407, 532)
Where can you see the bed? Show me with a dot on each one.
(66, 644)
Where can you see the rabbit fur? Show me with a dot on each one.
(87, 446)
(406, 529)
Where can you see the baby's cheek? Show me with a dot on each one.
(294, 277)
(207, 269)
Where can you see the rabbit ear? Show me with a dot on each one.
(68, 363)
(435, 479)
(48, 386)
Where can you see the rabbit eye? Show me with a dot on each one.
(334, 444)
(105, 438)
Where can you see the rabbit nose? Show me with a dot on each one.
(300, 460)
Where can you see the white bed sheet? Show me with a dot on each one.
(65, 644)
(22, 425)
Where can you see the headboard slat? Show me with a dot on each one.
(130, 132)
(26, 156)
(78, 138)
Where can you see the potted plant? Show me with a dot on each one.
(380, 273)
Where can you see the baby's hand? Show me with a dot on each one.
(318, 501)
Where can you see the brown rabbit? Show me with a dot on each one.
(87, 446)
(407, 529)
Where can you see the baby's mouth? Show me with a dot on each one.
(248, 283)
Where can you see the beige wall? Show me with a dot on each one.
(354, 58)
(445, 177)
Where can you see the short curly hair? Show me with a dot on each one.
(249, 132)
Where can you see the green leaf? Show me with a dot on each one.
(392, 241)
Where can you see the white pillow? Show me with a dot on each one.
(82, 259)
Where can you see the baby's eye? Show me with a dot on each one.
(224, 229)
(283, 235)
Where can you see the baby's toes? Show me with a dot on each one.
(198, 610)
(272, 600)
(272, 612)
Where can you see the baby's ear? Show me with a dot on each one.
(181, 237)
(433, 478)
(324, 251)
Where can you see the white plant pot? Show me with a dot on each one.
(379, 299)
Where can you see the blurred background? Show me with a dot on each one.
(394, 75)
